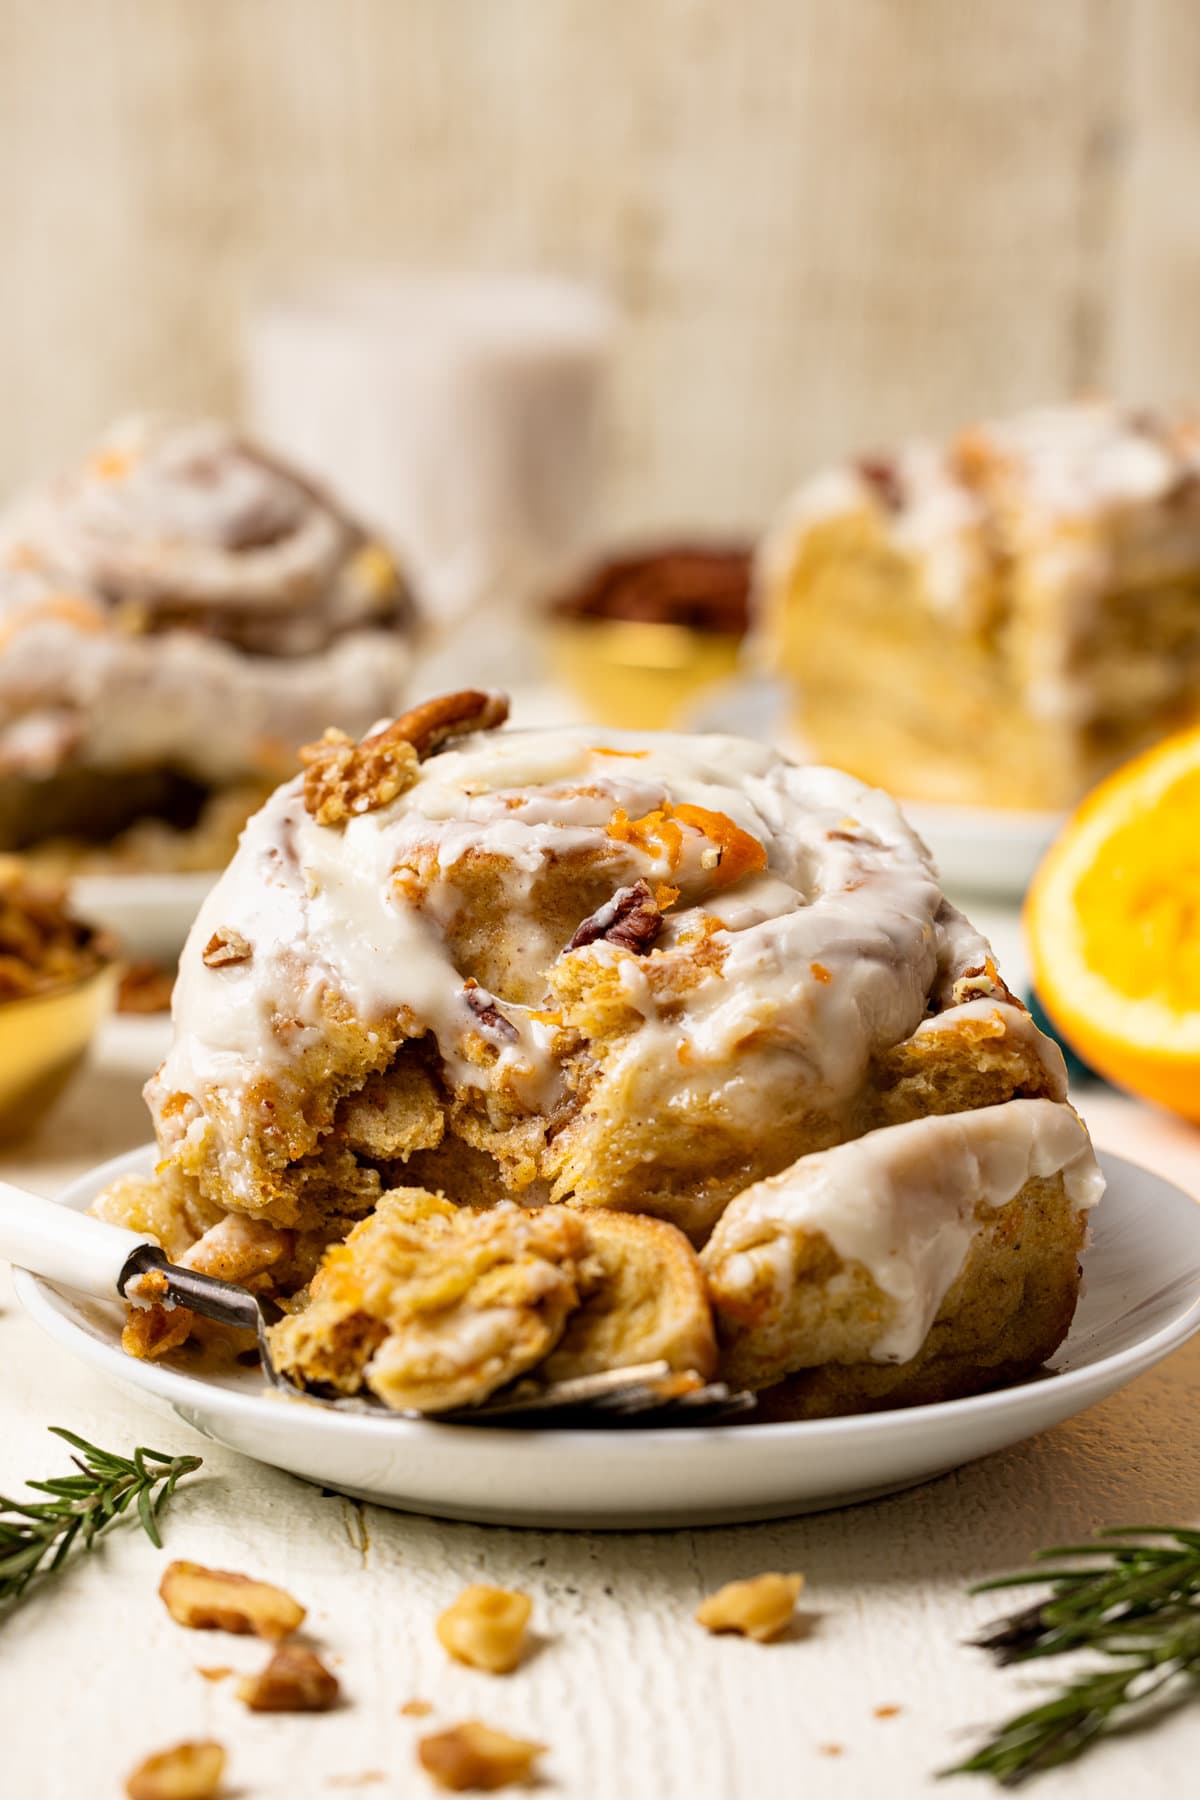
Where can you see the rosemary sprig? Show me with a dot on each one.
(36, 1536)
(1133, 1597)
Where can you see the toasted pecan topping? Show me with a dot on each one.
(188, 1771)
(218, 1600)
(759, 1608)
(473, 1755)
(227, 946)
(295, 1680)
(630, 920)
(428, 726)
(343, 779)
(485, 1627)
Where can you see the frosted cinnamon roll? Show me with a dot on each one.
(642, 976)
(177, 615)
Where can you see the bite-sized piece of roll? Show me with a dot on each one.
(432, 1306)
(920, 1261)
(645, 1301)
(178, 615)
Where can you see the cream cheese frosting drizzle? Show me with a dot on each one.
(833, 950)
(901, 1203)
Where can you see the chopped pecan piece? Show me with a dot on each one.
(343, 779)
(473, 1755)
(486, 1011)
(983, 981)
(428, 726)
(226, 946)
(188, 1771)
(760, 1608)
(631, 920)
(217, 1600)
(485, 1627)
(295, 1680)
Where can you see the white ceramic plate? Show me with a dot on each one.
(1142, 1300)
(984, 849)
(151, 914)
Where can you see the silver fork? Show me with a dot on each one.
(105, 1260)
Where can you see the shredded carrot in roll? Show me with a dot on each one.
(656, 833)
(741, 854)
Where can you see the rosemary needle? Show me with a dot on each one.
(36, 1536)
(1132, 1596)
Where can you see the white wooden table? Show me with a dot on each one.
(633, 1699)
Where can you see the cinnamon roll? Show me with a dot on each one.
(998, 619)
(177, 615)
(645, 978)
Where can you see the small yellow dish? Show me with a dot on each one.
(639, 675)
(43, 1039)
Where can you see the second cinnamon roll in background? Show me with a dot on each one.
(178, 613)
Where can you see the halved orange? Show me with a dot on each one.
(1113, 924)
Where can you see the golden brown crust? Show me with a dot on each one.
(647, 1302)
(1007, 1311)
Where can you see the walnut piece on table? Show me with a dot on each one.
(218, 1600)
(485, 1627)
(474, 1755)
(188, 1771)
(295, 1680)
(759, 1608)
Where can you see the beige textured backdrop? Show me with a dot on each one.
(826, 221)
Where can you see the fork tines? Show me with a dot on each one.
(650, 1394)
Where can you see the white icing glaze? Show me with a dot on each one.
(830, 953)
(901, 1202)
(284, 625)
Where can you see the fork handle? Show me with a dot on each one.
(65, 1246)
